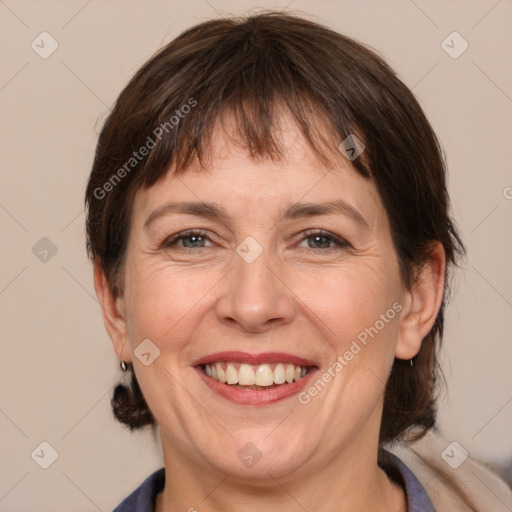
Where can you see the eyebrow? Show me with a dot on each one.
(214, 211)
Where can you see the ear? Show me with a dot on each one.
(421, 304)
(114, 316)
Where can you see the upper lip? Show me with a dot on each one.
(246, 357)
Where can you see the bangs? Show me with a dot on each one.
(255, 83)
(259, 129)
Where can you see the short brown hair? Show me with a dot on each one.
(250, 66)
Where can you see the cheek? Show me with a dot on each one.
(346, 301)
(164, 302)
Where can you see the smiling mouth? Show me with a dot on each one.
(255, 377)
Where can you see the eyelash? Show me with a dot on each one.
(340, 242)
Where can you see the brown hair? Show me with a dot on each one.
(251, 67)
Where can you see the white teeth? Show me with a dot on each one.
(246, 375)
(259, 375)
(279, 376)
(231, 375)
(264, 375)
(289, 373)
(220, 373)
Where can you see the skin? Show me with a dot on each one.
(302, 296)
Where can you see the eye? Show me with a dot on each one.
(195, 237)
(321, 238)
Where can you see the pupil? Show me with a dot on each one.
(319, 237)
(194, 239)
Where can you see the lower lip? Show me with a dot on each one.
(253, 396)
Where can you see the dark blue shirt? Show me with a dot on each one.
(143, 498)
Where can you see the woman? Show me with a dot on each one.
(269, 224)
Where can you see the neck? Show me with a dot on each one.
(359, 484)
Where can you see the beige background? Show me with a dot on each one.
(57, 366)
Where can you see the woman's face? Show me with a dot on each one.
(274, 289)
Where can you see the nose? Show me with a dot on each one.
(256, 297)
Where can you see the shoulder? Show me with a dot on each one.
(416, 496)
(142, 499)
(452, 479)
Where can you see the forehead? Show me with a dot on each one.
(255, 186)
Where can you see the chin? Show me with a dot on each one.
(260, 456)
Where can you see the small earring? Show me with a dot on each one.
(123, 366)
(410, 361)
